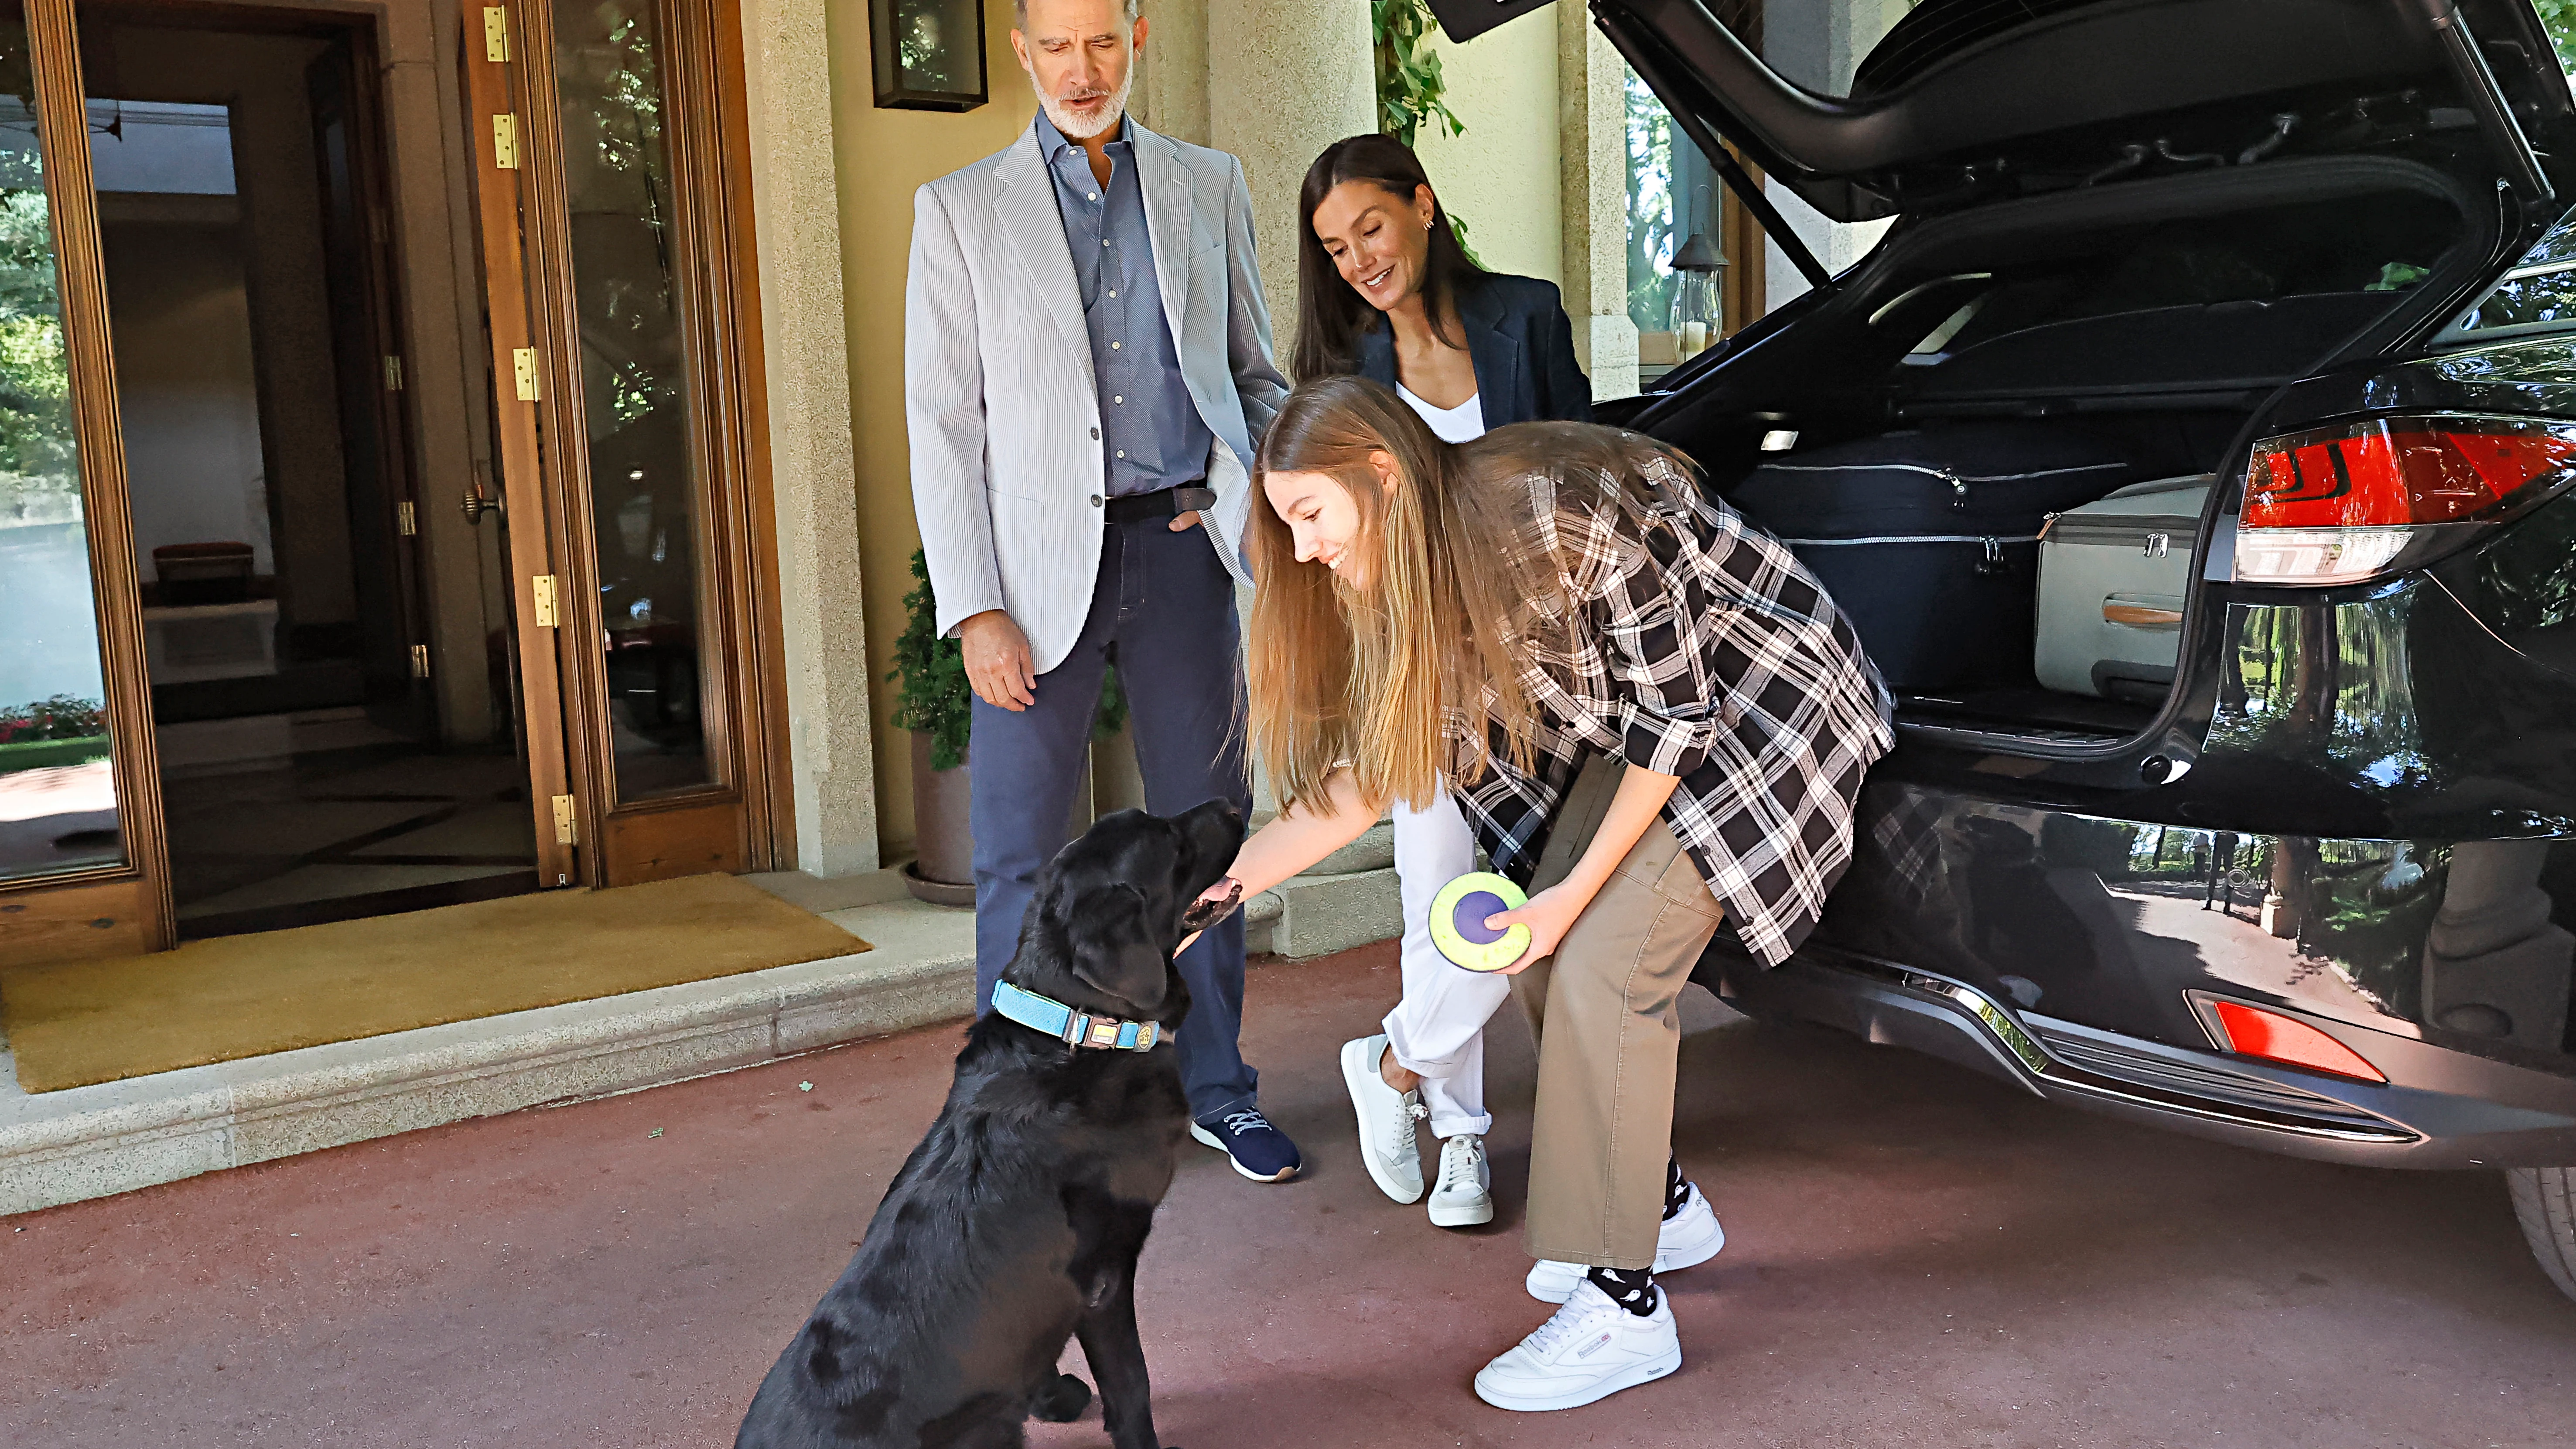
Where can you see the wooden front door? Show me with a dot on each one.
(624, 325)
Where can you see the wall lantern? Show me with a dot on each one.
(929, 54)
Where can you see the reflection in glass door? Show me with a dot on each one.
(58, 802)
(629, 301)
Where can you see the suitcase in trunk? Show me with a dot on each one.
(2113, 576)
(1929, 540)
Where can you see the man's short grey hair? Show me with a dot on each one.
(1020, 12)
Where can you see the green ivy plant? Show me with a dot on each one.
(1410, 88)
(932, 694)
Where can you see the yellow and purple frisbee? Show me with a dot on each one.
(1458, 921)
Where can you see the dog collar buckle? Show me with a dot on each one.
(1074, 1028)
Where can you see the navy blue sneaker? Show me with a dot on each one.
(1258, 1150)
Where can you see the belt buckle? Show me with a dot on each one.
(1101, 1032)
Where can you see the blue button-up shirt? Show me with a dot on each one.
(1151, 434)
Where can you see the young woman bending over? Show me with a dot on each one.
(1648, 711)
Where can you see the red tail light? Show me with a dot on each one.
(2254, 1032)
(2340, 504)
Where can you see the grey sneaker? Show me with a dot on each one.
(1386, 1121)
(1464, 1197)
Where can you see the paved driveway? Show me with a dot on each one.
(1917, 1256)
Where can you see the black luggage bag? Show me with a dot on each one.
(1929, 539)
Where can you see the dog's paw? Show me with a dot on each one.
(1061, 1402)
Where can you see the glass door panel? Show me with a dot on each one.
(629, 297)
(58, 794)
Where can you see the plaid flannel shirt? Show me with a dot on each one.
(1703, 649)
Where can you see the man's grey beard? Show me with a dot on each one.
(1074, 127)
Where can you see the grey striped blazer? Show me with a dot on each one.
(999, 396)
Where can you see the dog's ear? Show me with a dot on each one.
(1115, 950)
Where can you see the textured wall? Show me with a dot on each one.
(1171, 94)
(1286, 78)
(808, 335)
(1592, 192)
(1501, 175)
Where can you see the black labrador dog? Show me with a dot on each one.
(1016, 1223)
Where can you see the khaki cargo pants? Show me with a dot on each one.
(1603, 1010)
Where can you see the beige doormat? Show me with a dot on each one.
(73, 1023)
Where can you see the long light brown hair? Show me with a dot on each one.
(1463, 595)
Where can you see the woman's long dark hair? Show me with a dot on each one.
(1331, 314)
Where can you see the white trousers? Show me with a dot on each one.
(1438, 1029)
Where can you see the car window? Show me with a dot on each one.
(2537, 295)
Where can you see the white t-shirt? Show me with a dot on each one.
(1463, 423)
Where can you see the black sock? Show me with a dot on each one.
(1630, 1288)
(1676, 1191)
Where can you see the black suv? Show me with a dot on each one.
(2290, 860)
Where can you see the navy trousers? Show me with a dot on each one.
(1163, 610)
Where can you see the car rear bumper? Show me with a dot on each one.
(2440, 1108)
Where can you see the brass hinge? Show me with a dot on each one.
(523, 366)
(567, 822)
(393, 373)
(406, 518)
(543, 586)
(505, 141)
(496, 34)
(420, 661)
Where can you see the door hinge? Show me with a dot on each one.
(523, 366)
(567, 822)
(505, 141)
(393, 373)
(406, 518)
(496, 34)
(420, 661)
(543, 587)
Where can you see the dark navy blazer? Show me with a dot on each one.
(1522, 347)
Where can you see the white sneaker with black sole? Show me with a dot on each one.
(1590, 1350)
(1687, 1239)
(1464, 1197)
(1387, 1144)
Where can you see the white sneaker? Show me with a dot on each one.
(1590, 1350)
(1465, 1195)
(1687, 1239)
(1386, 1121)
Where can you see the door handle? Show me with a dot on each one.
(479, 501)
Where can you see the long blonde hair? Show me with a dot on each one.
(1464, 595)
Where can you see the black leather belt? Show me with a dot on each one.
(1166, 503)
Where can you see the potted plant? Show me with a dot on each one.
(932, 701)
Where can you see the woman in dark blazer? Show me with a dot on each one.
(1385, 291)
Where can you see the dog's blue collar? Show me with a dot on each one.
(1073, 1027)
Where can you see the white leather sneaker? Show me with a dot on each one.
(1386, 1121)
(1590, 1350)
(1687, 1239)
(1464, 1197)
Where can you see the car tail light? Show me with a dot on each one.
(2253, 1032)
(2340, 504)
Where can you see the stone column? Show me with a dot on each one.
(813, 469)
(1592, 190)
(1171, 94)
(1285, 79)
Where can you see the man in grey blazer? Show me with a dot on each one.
(1086, 370)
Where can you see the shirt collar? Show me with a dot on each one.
(1052, 142)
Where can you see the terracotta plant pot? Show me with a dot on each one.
(943, 866)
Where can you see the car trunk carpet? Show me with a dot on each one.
(74, 1023)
